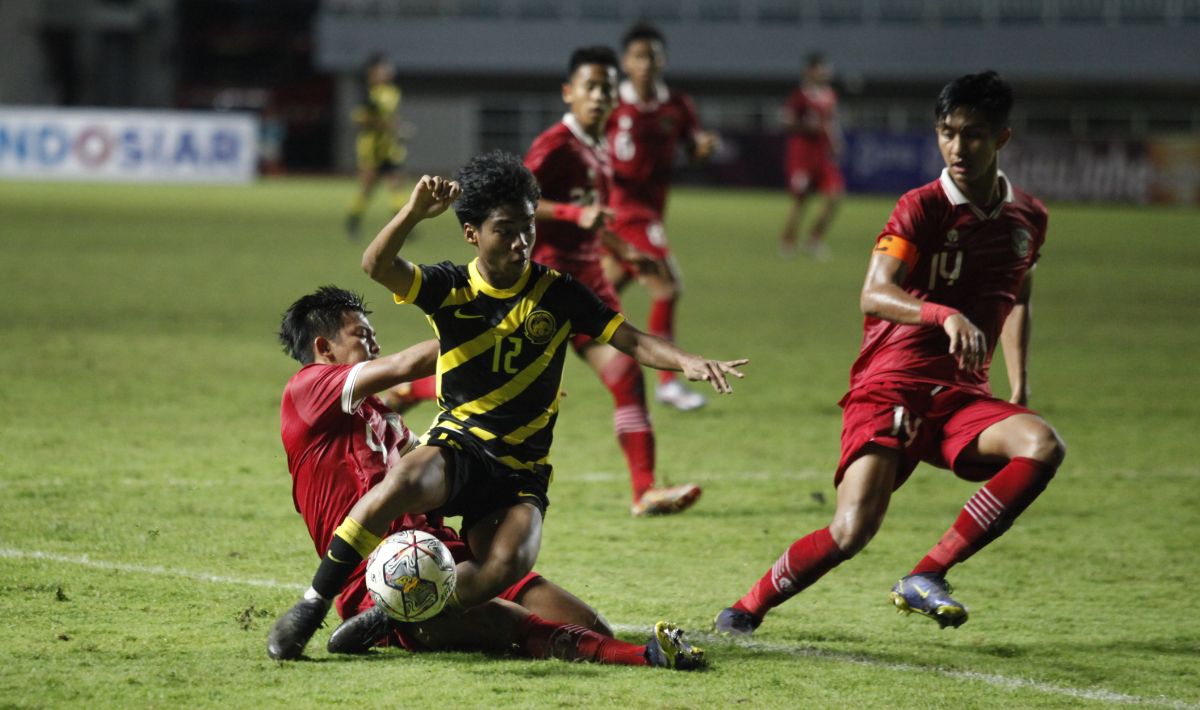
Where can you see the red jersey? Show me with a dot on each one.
(805, 105)
(957, 256)
(571, 167)
(337, 449)
(642, 137)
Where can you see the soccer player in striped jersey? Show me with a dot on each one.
(951, 273)
(502, 324)
(339, 438)
(571, 163)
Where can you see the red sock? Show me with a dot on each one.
(623, 377)
(569, 642)
(806, 561)
(424, 388)
(661, 322)
(988, 513)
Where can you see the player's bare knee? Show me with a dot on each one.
(851, 533)
(1044, 444)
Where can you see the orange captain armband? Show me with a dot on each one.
(898, 247)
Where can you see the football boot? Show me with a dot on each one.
(667, 649)
(291, 632)
(736, 622)
(675, 394)
(665, 501)
(929, 595)
(360, 633)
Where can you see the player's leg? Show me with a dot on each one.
(1019, 454)
(552, 602)
(829, 182)
(505, 545)
(862, 500)
(501, 627)
(622, 375)
(395, 184)
(799, 184)
(368, 177)
(665, 287)
(416, 484)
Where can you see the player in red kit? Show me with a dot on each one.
(571, 164)
(649, 123)
(813, 146)
(950, 275)
(340, 438)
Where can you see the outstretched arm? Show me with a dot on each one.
(430, 197)
(883, 296)
(1014, 339)
(653, 351)
(407, 365)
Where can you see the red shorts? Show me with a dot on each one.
(643, 230)
(808, 174)
(924, 422)
(355, 600)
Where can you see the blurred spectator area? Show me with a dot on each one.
(224, 55)
(484, 73)
(479, 74)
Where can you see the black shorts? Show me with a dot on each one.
(479, 484)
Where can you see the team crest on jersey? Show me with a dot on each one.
(540, 327)
(1020, 242)
(952, 236)
(667, 124)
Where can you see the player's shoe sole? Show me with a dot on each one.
(292, 631)
(668, 649)
(928, 595)
(735, 622)
(666, 501)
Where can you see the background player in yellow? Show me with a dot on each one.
(380, 145)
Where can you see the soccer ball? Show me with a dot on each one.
(411, 575)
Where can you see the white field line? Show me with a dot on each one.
(702, 476)
(992, 679)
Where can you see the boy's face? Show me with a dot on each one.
(591, 93)
(505, 239)
(643, 62)
(968, 146)
(354, 342)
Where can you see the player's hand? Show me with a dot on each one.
(714, 372)
(641, 261)
(594, 217)
(1020, 395)
(968, 344)
(705, 144)
(431, 196)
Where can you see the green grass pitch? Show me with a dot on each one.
(148, 538)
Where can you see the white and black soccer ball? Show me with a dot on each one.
(411, 575)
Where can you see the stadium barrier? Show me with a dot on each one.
(1161, 170)
(132, 146)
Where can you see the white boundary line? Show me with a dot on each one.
(992, 679)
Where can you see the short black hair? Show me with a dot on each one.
(642, 30)
(986, 93)
(318, 314)
(493, 180)
(814, 59)
(598, 54)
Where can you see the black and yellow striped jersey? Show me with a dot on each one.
(502, 352)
